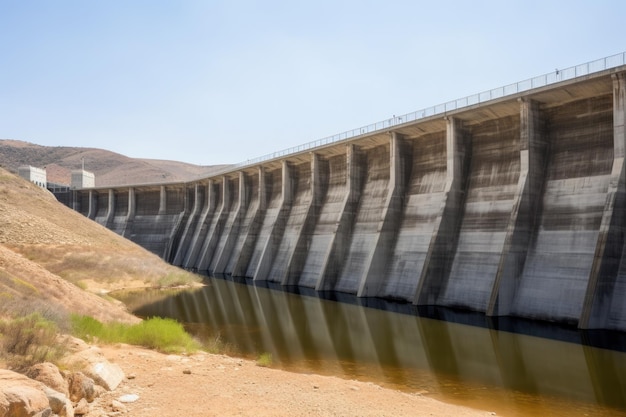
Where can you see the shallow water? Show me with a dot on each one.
(512, 373)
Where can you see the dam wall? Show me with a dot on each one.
(512, 206)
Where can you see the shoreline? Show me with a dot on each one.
(240, 393)
(204, 384)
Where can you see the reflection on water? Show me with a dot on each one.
(512, 374)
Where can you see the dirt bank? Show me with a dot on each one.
(217, 385)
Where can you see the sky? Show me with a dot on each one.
(217, 82)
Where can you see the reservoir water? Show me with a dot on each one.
(510, 367)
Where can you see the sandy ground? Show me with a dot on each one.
(216, 385)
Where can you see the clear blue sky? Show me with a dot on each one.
(210, 82)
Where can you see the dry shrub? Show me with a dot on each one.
(29, 340)
(77, 263)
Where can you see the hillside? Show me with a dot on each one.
(110, 168)
(49, 254)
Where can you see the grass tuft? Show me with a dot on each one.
(174, 279)
(165, 335)
(264, 360)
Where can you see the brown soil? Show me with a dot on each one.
(217, 385)
(55, 260)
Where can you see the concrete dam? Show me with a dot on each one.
(510, 203)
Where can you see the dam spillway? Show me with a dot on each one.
(511, 206)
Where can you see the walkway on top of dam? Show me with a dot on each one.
(544, 80)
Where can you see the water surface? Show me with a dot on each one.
(513, 373)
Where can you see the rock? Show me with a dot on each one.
(82, 408)
(93, 364)
(59, 403)
(73, 344)
(81, 387)
(49, 375)
(118, 406)
(21, 396)
(128, 398)
(98, 391)
(187, 371)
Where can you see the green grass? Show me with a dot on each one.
(165, 335)
(32, 339)
(264, 360)
(174, 279)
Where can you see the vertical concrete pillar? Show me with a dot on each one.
(231, 237)
(110, 209)
(183, 247)
(210, 195)
(316, 184)
(195, 245)
(527, 200)
(610, 243)
(443, 243)
(163, 200)
(340, 239)
(132, 203)
(130, 216)
(241, 265)
(287, 184)
(93, 208)
(298, 256)
(374, 272)
(262, 190)
(173, 239)
(216, 227)
(243, 195)
(273, 240)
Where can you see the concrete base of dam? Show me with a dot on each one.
(512, 207)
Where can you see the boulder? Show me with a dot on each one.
(59, 403)
(49, 375)
(81, 387)
(82, 408)
(21, 396)
(94, 365)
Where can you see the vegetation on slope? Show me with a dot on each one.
(165, 335)
(50, 254)
(55, 265)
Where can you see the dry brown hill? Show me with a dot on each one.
(49, 254)
(110, 168)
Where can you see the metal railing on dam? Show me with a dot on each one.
(513, 204)
(565, 74)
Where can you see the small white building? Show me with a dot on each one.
(82, 179)
(35, 175)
